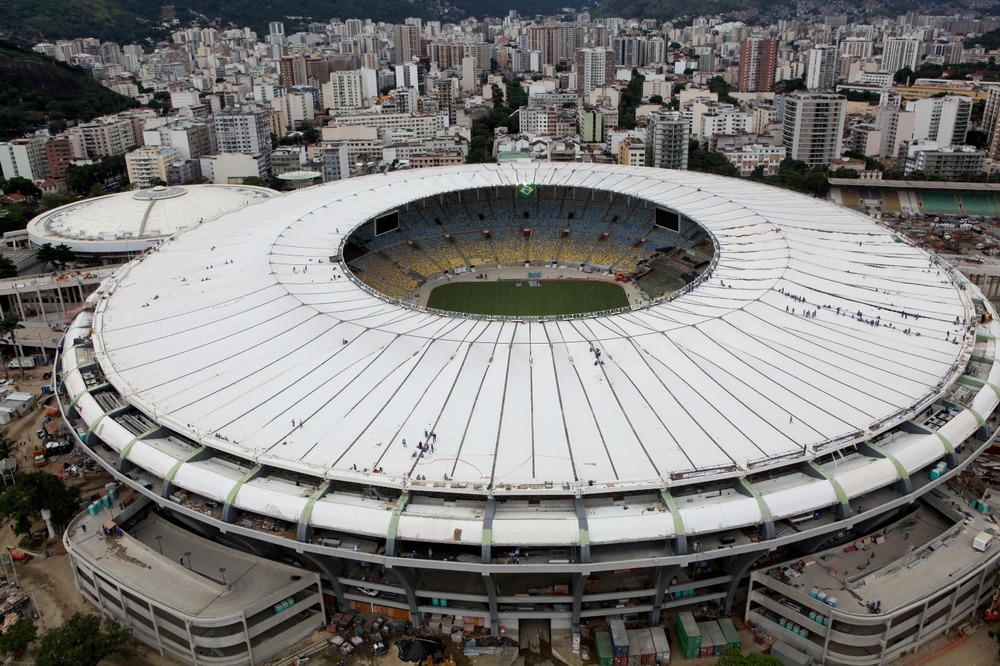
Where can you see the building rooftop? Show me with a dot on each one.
(133, 221)
(186, 576)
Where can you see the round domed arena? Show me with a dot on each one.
(644, 371)
(126, 223)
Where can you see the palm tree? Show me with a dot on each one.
(9, 325)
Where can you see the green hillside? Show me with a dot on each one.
(133, 20)
(35, 90)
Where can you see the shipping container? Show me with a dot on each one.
(621, 661)
(731, 633)
(718, 638)
(646, 648)
(789, 655)
(707, 646)
(602, 646)
(661, 644)
(634, 649)
(619, 637)
(688, 634)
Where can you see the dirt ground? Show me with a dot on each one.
(49, 582)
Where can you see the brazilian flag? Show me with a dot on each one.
(526, 190)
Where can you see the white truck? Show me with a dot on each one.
(982, 541)
(25, 362)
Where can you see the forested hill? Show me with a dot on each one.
(768, 11)
(35, 90)
(126, 21)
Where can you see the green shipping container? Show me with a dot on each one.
(688, 633)
(730, 632)
(602, 645)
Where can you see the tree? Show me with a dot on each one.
(50, 201)
(718, 85)
(9, 324)
(902, 76)
(60, 255)
(789, 86)
(18, 636)
(844, 172)
(19, 185)
(656, 99)
(709, 162)
(8, 268)
(977, 139)
(310, 134)
(33, 491)
(631, 97)
(91, 178)
(83, 640)
(732, 657)
(255, 181)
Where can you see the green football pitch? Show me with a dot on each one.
(516, 298)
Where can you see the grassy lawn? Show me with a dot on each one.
(516, 298)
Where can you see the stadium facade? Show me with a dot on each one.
(269, 396)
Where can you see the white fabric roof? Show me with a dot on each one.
(221, 335)
(132, 221)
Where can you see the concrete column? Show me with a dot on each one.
(41, 304)
(333, 569)
(246, 634)
(579, 582)
(885, 639)
(661, 579)
(20, 305)
(190, 637)
(489, 580)
(923, 616)
(156, 628)
(739, 568)
(408, 580)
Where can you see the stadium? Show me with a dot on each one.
(120, 226)
(781, 377)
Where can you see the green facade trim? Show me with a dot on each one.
(838, 489)
(235, 490)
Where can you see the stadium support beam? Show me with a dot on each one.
(488, 513)
(738, 569)
(843, 509)
(661, 579)
(903, 485)
(332, 568)
(744, 487)
(79, 396)
(579, 582)
(304, 530)
(167, 489)
(128, 447)
(581, 517)
(229, 509)
(490, 581)
(390, 535)
(919, 428)
(124, 464)
(680, 539)
(408, 581)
